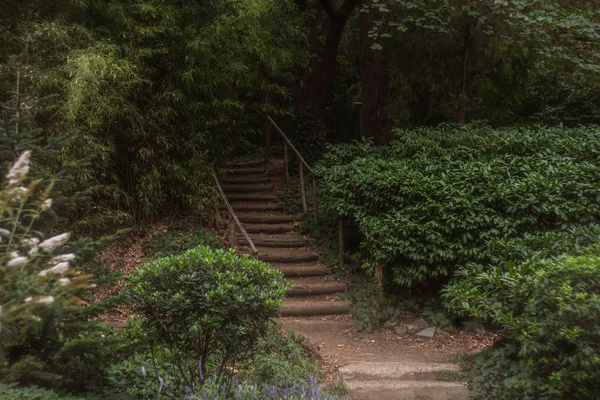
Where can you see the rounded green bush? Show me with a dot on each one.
(550, 313)
(207, 303)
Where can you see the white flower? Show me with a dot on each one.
(17, 193)
(14, 254)
(49, 245)
(4, 232)
(57, 269)
(17, 262)
(62, 258)
(20, 168)
(47, 204)
(40, 300)
(63, 281)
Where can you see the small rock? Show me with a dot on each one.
(427, 332)
(400, 330)
(412, 328)
(421, 323)
(389, 325)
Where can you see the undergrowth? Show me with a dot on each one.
(179, 238)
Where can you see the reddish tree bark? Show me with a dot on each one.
(374, 84)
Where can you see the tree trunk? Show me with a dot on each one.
(374, 84)
(327, 67)
(468, 75)
(320, 82)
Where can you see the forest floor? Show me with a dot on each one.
(338, 343)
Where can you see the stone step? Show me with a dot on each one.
(246, 164)
(283, 241)
(407, 371)
(300, 288)
(270, 228)
(286, 256)
(250, 197)
(242, 206)
(270, 218)
(248, 171)
(406, 390)
(303, 270)
(245, 180)
(248, 188)
(296, 308)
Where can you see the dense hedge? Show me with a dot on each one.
(549, 310)
(438, 197)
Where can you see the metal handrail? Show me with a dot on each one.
(235, 218)
(301, 172)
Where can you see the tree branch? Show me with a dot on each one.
(330, 9)
(347, 8)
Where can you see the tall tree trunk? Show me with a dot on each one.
(468, 74)
(322, 75)
(327, 70)
(374, 84)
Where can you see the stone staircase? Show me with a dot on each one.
(402, 381)
(250, 190)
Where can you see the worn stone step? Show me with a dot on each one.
(406, 390)
(247, 171)
(300, 288)
(246, 164)
(270, 218)
(407, 371)
(250, 197)
(283, 241)
(297, 308)
(303, 270)
(245, 180)
(248, 188)
(269, 228)
(242, 206)
(286, 256)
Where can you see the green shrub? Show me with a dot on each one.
(436, 197)
(280, 355)
(206, 305)
(549, 310)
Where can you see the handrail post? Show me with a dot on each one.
(232, 233)
(302, 189)
(287, 161)
(314, 193)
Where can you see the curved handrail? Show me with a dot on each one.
(235, 218)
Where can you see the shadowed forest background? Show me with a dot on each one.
(457, 140)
